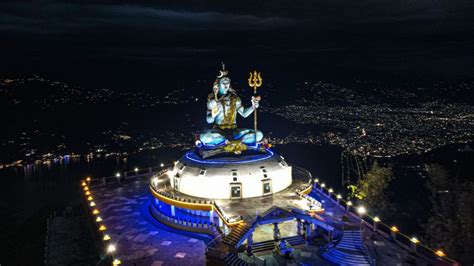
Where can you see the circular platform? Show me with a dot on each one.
(231, 177)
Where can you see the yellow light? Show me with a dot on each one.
(102, 228)
(84, 184)
(86, 188)
(106, 238)
(117, 262)
(394, 229)
(88, 179)
(88, 193)
(338, 196)
(90, 198)
(414, 240)
(349, 203)
(376, 219)
(440, 253)
(98, 219)
(330, 190)
(92, 204)
(111, 248)
(95, 211)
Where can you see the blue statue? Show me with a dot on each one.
(222, 108)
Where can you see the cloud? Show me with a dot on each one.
(60, 17)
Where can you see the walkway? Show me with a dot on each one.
(139, 239)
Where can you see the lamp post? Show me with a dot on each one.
(376, 222)
(393, 232)
(361, 211)
(348, 205)
(414, 243)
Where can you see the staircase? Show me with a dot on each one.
(238, 231)
(349, 251)
(351, 240)
(232, 259)
(270, 244)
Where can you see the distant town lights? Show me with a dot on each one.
(394, 229)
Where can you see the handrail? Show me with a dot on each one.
(205, 206)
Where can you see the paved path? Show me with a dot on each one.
(139, 239)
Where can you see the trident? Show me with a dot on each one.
(255, 81)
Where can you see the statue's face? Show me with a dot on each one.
(224, 85)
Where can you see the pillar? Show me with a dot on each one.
(249, 244)
(315, 229)
(393, 235)
(298, 227)
(307, 232)
(413, 246)
(276, 231)
(374, 226)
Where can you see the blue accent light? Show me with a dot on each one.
(230, 162)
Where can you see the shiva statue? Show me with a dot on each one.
(222, 108)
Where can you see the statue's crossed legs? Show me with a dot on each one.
(214, 137)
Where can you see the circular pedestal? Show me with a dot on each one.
(231, 177)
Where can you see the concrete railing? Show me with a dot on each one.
(123, 176)
(188, 224)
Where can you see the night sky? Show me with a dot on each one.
(145, 43)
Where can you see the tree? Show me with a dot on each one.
(451, 225)
(372, 187)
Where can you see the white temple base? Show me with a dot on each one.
(239, 177)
